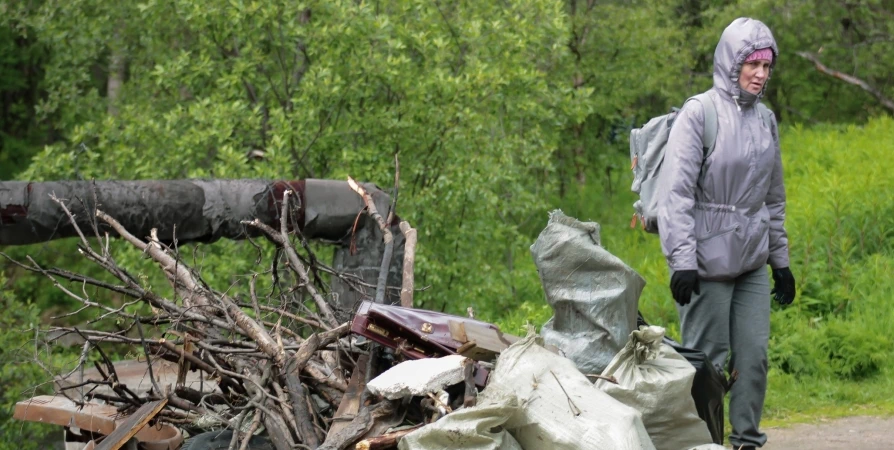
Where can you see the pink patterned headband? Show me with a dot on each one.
(764, 53)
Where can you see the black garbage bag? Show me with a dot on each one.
(220, 440)
(708, 387)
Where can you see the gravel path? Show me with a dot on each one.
(838, 434)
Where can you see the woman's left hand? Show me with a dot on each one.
(783, 286)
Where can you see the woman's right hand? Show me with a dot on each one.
(683, 284)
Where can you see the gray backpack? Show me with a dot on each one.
(647, 153)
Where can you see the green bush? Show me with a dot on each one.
(853, 352)
(20, 376)
(840, 222)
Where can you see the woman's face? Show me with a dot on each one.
(753, 75)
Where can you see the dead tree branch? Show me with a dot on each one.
(297, 267)
(386, 233)
(885, 101)
(406, 291)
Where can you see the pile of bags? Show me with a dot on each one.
(535, 398)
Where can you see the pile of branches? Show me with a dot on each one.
(281, 361)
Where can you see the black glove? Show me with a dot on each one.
(683, 284)
(783, 286)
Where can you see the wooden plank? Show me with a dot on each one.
(458, 331)
(385, 441)
(350, 402)
(129, 427)
(132, 444)
(489, 337)
(62, 411)
(472, 351)
(484, 343)
(135, 375)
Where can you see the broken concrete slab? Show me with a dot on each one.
(419, 377)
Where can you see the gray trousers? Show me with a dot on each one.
(733, 318)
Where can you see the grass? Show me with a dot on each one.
(792, 400)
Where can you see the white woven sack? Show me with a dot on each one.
(656, 381)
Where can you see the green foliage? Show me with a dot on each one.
(845, 349)
(853, 352)
(845, 218)
(793, 398)
(840, 223)
(22, 378)
(20, 75)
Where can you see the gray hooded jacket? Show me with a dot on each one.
(725, 217)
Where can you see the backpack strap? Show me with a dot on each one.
(709, 138)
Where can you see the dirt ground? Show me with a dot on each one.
(837, 434)
(864, 433)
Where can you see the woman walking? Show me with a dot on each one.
(721, 221)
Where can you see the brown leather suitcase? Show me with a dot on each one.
(412, 333)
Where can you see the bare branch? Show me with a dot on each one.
(886, 102)
(406, 291)
(298, 268)
(176, 271)
(387, 237)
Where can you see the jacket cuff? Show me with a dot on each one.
(682, 262)
(779, 261)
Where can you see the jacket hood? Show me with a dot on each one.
(738, 40)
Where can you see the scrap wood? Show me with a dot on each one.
(481, 343)
(61, 411)
(388, 421)
(350, 403)
(470, 395)
(238, 357)
(386, 233)
(93, 418)
(132, 425)
(385, 441)
(406, 290)
(362, 423)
